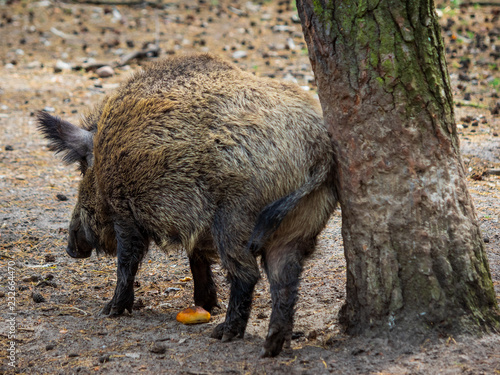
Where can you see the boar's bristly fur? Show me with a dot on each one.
(194, 152)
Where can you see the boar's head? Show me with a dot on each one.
(91, 226)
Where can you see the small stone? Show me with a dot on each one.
(313, 335)
(463, 77)
(2, 294)
(486, 240)
(289, 78)
(104, 358)
(31, 279)
(20, 177)
(49, 109)
(61, 197)
(297, 335)
(139, 304)
(261, 315)
(281, 28)
(290, 44)
(61, 65)
(158, 348)
(9, 148)
(239, 54)
(50, 258)
(73, 355)
(50, 346)
(34, 65)
(357, 351)
(105, 71)
(37, 297)
(133, 355)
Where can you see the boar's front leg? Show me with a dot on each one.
(205, 292)
(131, 247)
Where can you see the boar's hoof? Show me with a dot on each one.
(274, 343)
(225, 335)
(218, 332)
(228, 336)
(110, 309)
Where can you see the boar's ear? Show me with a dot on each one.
(76, 143)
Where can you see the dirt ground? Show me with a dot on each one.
(48, 51)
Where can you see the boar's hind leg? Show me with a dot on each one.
(283, 266)
(131, 247)
(205, 293)
(243, 274)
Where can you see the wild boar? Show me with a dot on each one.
(194, 152)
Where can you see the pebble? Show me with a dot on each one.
(289, 78)
(104, 358)
(239, 54)
(61, 65)
(295, 18)
(61, 197)
(50, 258)
(290, 44)
(105, 71)
(158, 348)
(281, 28)
(37, 297)
(133, 355)
(9, 148)
(313, 335)
(49, 109)
(50, 346)
(31, 279)
(34, 65)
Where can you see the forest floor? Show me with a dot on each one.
(47, 53)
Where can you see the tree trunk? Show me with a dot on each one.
(415, 256)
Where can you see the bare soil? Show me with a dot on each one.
(57, 298)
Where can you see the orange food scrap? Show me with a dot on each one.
(193, 315)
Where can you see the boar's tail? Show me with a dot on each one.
(273, 214)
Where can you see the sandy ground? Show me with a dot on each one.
(64, 334)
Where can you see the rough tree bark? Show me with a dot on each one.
(415, 256)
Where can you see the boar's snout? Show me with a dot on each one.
(78, 246)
